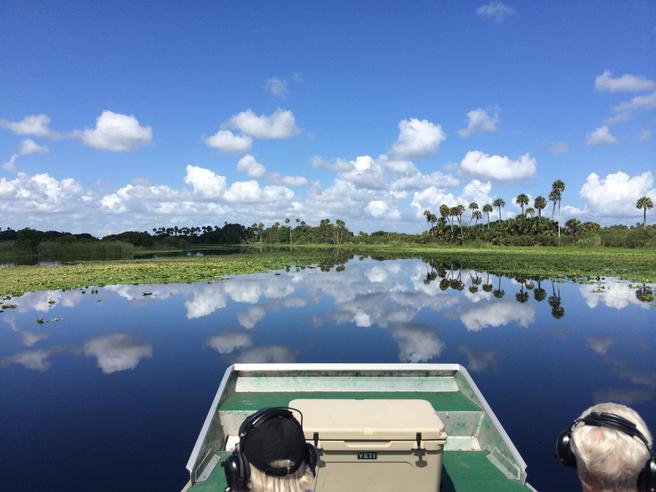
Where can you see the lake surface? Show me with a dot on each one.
(106, 389)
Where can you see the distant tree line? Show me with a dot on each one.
(326, 232)
(472, 223)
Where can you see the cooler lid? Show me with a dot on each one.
(369, 419)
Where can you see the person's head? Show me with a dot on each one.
(610, 445)
(272, 455)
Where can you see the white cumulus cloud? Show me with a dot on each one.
(228, 142)
(638, 102)
(498, 167)
(625, 83)
(478, 121)
(41, 194)
(27, 147)
(249, 165)
(600, 136)
(205, 182)
(617, 193)
(280, 124)
(380, 208)
(35, 125)
(417, 138)
(116, 132)
(496, 11)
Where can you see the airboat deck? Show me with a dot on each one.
(478, 455)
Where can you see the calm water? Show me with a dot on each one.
(107, 389)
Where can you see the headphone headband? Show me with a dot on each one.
(615, 422)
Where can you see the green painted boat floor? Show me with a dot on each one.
(471, 470)
(447, 401)
(463, 471)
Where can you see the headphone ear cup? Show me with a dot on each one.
(564, 449)
(311, 457)
(647, 477)
(232, 469)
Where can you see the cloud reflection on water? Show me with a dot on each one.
(117, 352)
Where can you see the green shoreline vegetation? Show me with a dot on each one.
(536, 262)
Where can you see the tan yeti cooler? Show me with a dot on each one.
(374, 445)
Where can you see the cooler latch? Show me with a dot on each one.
(418, 440)
(315, 438)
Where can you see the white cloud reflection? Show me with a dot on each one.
(227, 342)
(498, 314)
(417, 343)
(117, 352)
(37, 360)
(616, 295)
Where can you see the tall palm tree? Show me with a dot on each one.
(487, 208)
(499, 203)
(431, 219)
(427, 214)
(522, 201)
(460, 209)
(444, 211)
(477, 215)
(557, 189)
(473, 206)
(540, 204)
(644, 203)
(453, 213)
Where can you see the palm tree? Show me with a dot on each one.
(530, 211)
(487, 208)
(556, 195)
(453, 213)
(431, 219)
(499, 203)
(444, 211)
(427, 214)
(477, 215)
(522, 201)
(460, 209)
(540, 204)
(644, 203)
(573, 227)
(473, 206)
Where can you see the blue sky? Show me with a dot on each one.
(130, 115)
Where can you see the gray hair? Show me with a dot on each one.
(302, 480)
(608, 460)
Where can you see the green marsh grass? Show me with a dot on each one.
(636, 265)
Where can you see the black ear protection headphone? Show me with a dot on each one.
(236, 467)
(647, 477)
